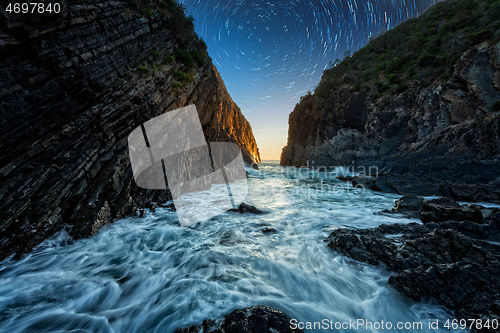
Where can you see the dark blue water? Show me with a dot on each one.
(151, 275)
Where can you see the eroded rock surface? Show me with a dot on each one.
(73, 86)
(412, 184)
(246, 208)
(255, 319)
(457, 263)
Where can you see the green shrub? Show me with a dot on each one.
(395, 65)
(168, 59)
(148, 12)
(478, 37)
(181, 76)
(496, 106)
(356, 87)
(203, 44)
(401, 88)
(143, 68)
(176, 84)
(347, 79)
(494, 10)
(323, 90)
(367, 75)
(198, 57)
(432, 42)
(393, 78)
(155, 53)
(381, 87)
(426, 60)
(185, 57)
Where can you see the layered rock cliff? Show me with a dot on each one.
(421, 99)
(73, 85)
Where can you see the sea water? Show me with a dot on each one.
(152, 275)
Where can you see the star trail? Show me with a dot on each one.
(269, 53)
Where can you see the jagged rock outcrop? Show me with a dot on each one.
(73, 85)
(445, 261)
(421, 99)
(255, 319)
(453, 257)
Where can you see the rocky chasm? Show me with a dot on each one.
(73, 85)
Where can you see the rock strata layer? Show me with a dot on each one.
(73, 86)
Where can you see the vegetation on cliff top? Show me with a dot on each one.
(191, 51)
(416, 53)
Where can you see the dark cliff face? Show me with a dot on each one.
(73, 86)
(422, 98)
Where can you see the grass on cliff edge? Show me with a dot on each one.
(417, 52)
(178, 21)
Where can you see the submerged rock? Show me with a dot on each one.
(245, 208)
(255, 319)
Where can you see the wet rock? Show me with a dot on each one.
(438, 260)
(440, 210)
(371, 183)
(255, 319)
(443, 201)
(345, 178)
(409, 205)
(269, 230)
(191, 329)
(169, 205)
(245, 208)
(473, 192)
(488, 212)
(470, 288)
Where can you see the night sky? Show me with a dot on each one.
(269, 53)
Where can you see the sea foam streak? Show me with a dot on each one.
(152, 275)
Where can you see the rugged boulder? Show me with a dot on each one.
(246, 208)
(432, 211)
(415, 184)
(448, 261)
(256, 319)
(409, 205)
(73, 85)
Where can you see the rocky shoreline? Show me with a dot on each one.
(453, 256)
(404, 184)
(428, 128)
